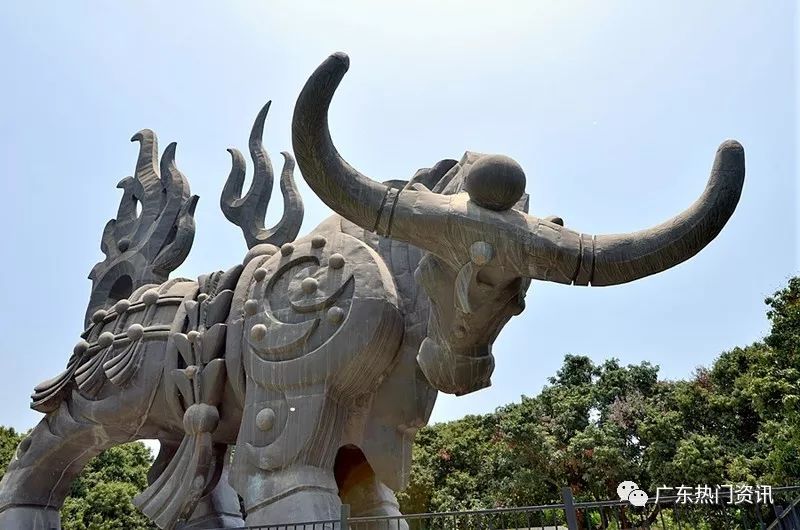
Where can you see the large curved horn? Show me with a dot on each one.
(343, 188)
(535, 248)
(621, 258)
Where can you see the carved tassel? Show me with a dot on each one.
(175, 493)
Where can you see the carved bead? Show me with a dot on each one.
(105, 339)
(202, 297)
(259, 274)
(99, 316)
(135, 332)
(309, 285)
(336, 261)
(81, 347)
(287, 248)
(481, 253)
(193, 336)
(318, 241)
(123, 244)
(258, 332)
(251, 307)
(191, 371)
(122, 306)
(265, 419)
(200, 418)
(335, 315)
(150, 297)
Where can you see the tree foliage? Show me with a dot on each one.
(9, 440)
(101, 497)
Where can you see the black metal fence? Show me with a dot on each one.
(664, 513)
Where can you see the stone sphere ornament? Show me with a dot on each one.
(336, 261)
(260, 274)
(495, 182)
(122, 306)
(99, 316)
(150, 297)
(265, 419)
(81, 347)
(135, 332)
(105, 339)
(251, 307)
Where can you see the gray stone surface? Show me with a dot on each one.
(317, 358)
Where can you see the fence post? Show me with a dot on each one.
(344, 517)
(569, 508)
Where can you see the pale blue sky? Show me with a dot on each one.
(614, 109)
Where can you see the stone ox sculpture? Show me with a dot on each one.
(318, 357)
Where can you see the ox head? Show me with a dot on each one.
(482, 247)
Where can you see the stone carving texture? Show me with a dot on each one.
(317, 358)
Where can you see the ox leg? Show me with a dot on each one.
(298, 494)
(220, 508)
(365, 493)
(371, 498)
(46, 462)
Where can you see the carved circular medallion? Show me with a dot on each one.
(307, 293)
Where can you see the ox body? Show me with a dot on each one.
(318, 358)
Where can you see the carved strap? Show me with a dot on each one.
(586, 261)
(383, 224)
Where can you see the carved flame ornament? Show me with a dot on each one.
(153, 231)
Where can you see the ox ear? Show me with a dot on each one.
(431, 176)
(523, 204)
(395, 183)
(453, 181)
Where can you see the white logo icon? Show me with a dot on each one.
(629, 491)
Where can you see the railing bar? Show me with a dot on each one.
(777, 511)
(787, 515)
(760, 518)
(745, 519)
(727, 517)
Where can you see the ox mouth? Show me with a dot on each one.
(458, 373)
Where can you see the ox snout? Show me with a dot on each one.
(454, 372)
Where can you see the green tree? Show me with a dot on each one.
(9, 440)
(101, 497)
